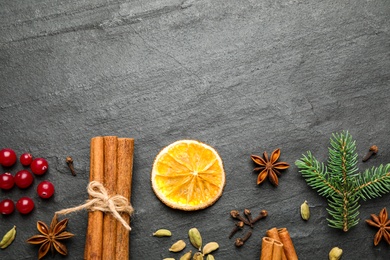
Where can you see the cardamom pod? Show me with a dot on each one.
(335, 253)
(210, 257)
(8, 238)
(210, 247)
(197, 256)
(178, 246)
(305, 211)
(186, 256)
(195, 238)
(162, 233)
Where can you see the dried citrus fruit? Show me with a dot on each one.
(188, 175)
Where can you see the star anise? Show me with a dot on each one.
(48, 239)
(269, 167)
(383, 223)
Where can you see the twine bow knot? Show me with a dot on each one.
(102, 201)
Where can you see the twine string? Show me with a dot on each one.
(102, 201)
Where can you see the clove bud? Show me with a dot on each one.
(240, 241)
(372, 151)
(262, 214)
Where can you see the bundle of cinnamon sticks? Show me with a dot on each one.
(277, 245)
(111, 164)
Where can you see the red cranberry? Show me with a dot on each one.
(6, 181)
(26, 159)
(25, 205)
(45, 189)
(39, 166)
(7, 157)
(23, 179)
(7, 206)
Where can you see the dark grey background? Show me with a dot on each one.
(242, 76)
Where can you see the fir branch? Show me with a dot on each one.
(344, 211)
(374, 182)
(340, 182)
(316, 175)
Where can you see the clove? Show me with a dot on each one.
(262, 214)
(372, 151)
(240, 241)
(69, 161)
(248, 214)
(235, 214)
(239, 225)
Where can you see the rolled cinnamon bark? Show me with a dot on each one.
(288, 245)
(273, 233)
(109, 182)
(94, 237)
(124, 181)
(277, 250)
(266, 248)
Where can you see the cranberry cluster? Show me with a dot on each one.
(23, 179)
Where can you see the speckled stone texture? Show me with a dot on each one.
(242, 76)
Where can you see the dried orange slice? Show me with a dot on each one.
(188, 175)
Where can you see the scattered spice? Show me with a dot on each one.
(305, 211)
(49, 237)
(69, 161)
(248, 214)
(210, 257)
(335, 253)
(178, 246)
(372, 151)
(210, 247)
(269, 167)
(383, 223)
(197, 256)
(8, 238)
(235, 214)
(262, 215)
(240, 241)
(195, 238)
(239, 225)
(186, 256)
(162, 233)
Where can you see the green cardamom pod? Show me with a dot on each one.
(195, 238)
(210, 257)
(210, 247)
(197, 256)
(8, 238)
(162, 233)
(335, 253)
(305, 211)
(178, 246)
(186, 256)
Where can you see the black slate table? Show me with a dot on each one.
(243, 76)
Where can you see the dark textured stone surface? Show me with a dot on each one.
(242, 76)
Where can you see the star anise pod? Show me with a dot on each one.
(269, 167)
(49, 237)
(383, 223)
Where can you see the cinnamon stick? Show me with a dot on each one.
(273, 233)
(124, 181)
(271, 249)
(289, 249)
(277, 250)
(266, 248)
(94, 237)
(109, 182)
